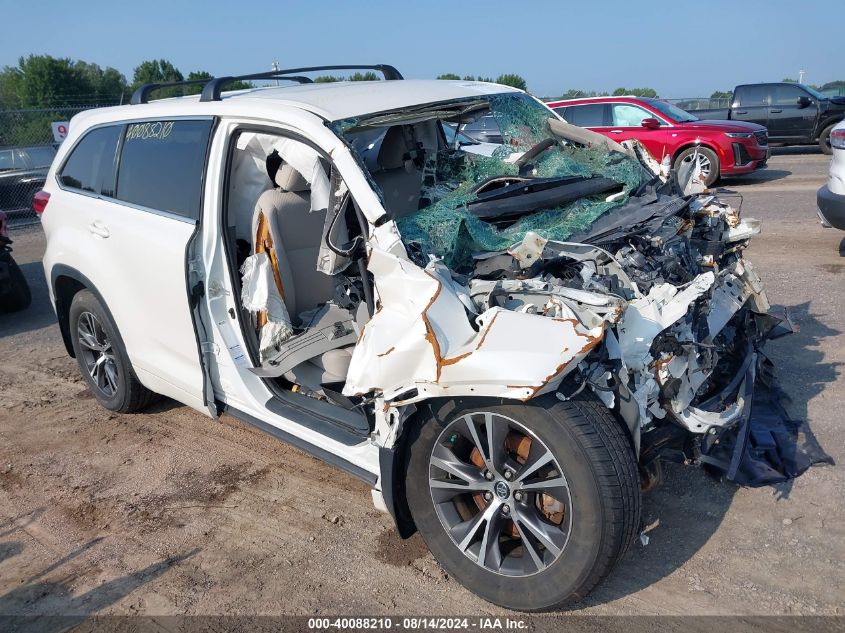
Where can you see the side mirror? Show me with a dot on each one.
(804, 102)
(650, 123)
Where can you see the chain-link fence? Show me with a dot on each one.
(28, 142)
(691, 104)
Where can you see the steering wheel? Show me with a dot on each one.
(534, 152)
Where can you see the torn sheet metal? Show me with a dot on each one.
(420, 339)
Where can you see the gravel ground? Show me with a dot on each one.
(168, 512)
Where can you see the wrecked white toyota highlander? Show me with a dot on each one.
(501, 341)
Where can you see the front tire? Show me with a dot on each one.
(102, 358)
(824, 139)
(527, 505)
(709, 163)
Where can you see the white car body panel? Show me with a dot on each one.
(836, 175)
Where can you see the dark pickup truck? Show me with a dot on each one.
(795, 114)
(22, 174)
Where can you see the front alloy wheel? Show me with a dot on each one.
(529, 505)
(500, 494)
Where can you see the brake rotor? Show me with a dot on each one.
(518, 447)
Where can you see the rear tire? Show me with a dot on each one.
(824, 139)
(598, 505)
(18, 296)
(102, 358)
(712, 162)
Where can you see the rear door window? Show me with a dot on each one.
(752, 95)
(162, 165)
(90, 166)
(7, 159)
(40, 156)
(590, 115)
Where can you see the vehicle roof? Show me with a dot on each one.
(574, 100)
(332, 101)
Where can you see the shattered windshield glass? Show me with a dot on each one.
(453, 200)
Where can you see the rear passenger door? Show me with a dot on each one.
(140, 217)
(751, 103)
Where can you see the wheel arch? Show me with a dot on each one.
(66, 282)
(690, 144)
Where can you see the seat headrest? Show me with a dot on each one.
(288, 179)
(394, 149)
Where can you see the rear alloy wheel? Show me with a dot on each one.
(707, 161)
(102, 358)
(527, 505)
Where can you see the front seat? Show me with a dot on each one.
(290, 233)
(399, 177)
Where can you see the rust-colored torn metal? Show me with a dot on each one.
(387, 352)
(591, 343)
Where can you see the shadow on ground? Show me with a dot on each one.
(37, 597)
(39, 314)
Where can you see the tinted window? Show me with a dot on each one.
(752, 95)
(90, 166)
(41, 156)
(7, 159)
(161, 166)
(591, 115)
(627, 115)
(787, 95)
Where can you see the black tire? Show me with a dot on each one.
(598, 462)
(824, 139)
(17, 295)
(687, 155)
(126, 394)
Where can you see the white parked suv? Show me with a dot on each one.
(502, 346)
(831, 197)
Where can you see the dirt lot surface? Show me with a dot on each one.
(169, 512)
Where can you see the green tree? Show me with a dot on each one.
(327, 79)
(451, 76)
(40, 81)
(636, 92)
(158, 71)
(721, 94)
(789, 80)
(510, 79)
(367, 76)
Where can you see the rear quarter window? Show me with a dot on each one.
(90, 165)
(588, 115)
(162, 165)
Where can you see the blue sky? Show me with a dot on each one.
(680, 48)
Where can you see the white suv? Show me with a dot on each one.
(501, 346)
(831, 197)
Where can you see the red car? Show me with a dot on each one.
(726, 148)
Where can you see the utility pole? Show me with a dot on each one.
(801, 76)
(275, 68)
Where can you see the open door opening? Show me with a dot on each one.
(296, 249)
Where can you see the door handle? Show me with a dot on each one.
(616, 131)
(773, 111)
(99, 229)
(740, 111)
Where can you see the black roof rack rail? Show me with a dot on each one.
(215, 86)
(142, 93)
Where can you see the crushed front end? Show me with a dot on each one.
(561, 240)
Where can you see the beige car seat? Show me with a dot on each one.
(290, 233)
